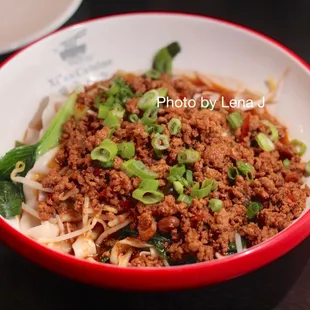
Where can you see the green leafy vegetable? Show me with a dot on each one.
(119, 91)
(233, 248)
(162, 62)
(160, 244)
(26, 154)
(127, 232)
(11, 195)
(10, 200)
(50, 138)
(104, 259)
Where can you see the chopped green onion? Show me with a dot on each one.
(174, 126)
(149, 184)
(107, 165)
(201, 192)
(119, 91)
(272, 130)
(212, 182)
(97, 101)
(126, 150)
(178, 169)
(264, 142)
(154, 128)
(253, 208)
(163, 58)
(215, 205)
(178, 186)
(153, 74)
(149, 116)
(148, 100)
(118, 110)
(235, 119)
(307, 169)
(287, 163)
(133, 118)
(246, 170)
(111, 121)
(189, 177)
(188, 156)
(185, 198)
(137, 168)
(160, 142)
(299, 147)
(109, 102)
(105, 152)
(162, 92)
(103, 111)
(176, 172)
(147, 196)
(232, 173)
(114, 89)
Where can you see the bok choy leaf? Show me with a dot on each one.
(50, 138)
(11, 195)
(10, 200)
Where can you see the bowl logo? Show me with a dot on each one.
(71, 51)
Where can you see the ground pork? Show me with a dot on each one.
(181, 233)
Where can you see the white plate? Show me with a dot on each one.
(23, 21)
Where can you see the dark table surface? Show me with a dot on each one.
(282, 285)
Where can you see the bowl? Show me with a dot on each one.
(92, 50)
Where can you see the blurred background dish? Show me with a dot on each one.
(22, 22)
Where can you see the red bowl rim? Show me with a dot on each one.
(268, 250)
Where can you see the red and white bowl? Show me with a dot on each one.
(94, 50)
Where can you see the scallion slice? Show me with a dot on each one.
(105, 152)
(153, 74)
(178, 186)
(148, 196)
(189, 177)
(235, 119)
(174, 126)
(212, 182)
(185, 198)
(272, 130)
(160, 142)
(253, 208)
(111, 121)
(299, 147)
(149, 116)
(163, 58)
(232, 173)
(246, 170)
(264, 142)
(287, 163)
(148, 100)
(154, 128)
(201, 192)
(176, 173)
(133, 118)
(126, 150)
(103, 111)
(137, 168)
(215, 205)
(149, 184)
(118, 110)
(188, 156)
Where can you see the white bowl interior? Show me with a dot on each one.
(95, 50)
